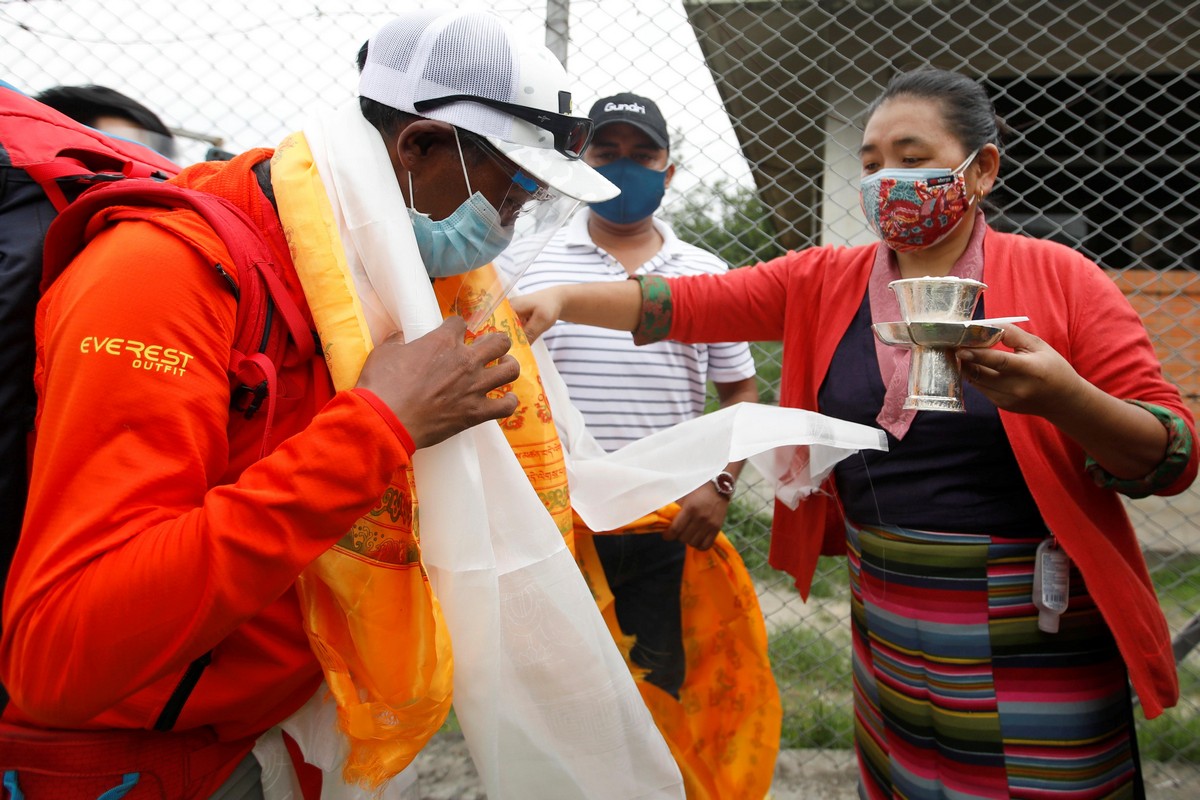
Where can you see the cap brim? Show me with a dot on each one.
(565, 176)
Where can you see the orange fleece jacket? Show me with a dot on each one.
(154, 532)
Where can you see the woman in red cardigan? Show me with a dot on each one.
(961, 687)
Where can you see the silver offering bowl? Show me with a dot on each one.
(937, 318)
(937, 299)
(934, 376)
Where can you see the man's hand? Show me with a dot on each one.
(437, 385)
(701, 515)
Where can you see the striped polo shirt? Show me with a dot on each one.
(624, 391)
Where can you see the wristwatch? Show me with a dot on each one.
(724, 483)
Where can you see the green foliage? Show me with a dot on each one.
(727, 220)
(768, 364)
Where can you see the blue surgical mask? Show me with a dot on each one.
(467, 239)
(641, 191)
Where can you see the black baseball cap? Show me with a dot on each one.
(634, 109)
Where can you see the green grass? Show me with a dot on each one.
(813, 675)
(1175, 734)
(830, 580)
(451, 724)
(749, 530)
(1176, 578)
(812, 667)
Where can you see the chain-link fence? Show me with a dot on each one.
(765, 100)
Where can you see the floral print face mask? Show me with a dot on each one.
(909, 209)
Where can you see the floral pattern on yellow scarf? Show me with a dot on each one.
(530, 430)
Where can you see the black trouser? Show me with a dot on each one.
(645, 573)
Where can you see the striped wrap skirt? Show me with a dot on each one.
(957, 693)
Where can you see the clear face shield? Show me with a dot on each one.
(530, 214)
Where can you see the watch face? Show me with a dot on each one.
(725, 483)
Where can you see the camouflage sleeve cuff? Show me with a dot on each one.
(1179, 453)
(655, 321)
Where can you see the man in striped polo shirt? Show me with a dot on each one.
(626, 392)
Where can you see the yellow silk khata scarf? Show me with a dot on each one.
(530, 430)
(370, 613)
(724, 729)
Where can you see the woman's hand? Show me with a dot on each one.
(537, 310)
(1032, 379)
(616, 305)
(1125, 439)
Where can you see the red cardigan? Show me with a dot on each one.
(807, 300)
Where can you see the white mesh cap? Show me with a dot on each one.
(430, 54)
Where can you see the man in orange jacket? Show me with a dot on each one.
(151, 618)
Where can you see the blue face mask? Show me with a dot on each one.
(467, 239)
(641, 191)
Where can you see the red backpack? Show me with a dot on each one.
(55, 174)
